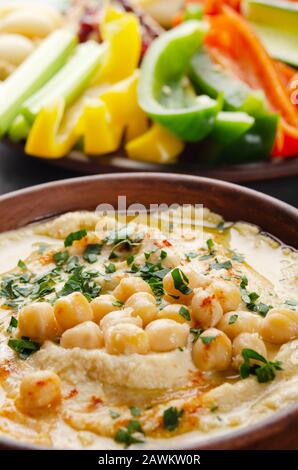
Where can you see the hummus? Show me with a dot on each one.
(117, 335)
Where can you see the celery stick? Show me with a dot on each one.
(40, 66)
(69, 82)
(19, 129)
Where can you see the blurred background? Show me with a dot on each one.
(18, 170)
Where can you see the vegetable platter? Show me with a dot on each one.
(205, 87)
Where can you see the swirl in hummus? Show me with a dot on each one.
(114, 337)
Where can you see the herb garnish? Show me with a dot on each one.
(74, 236)
(126, 435)
(233, 318)
(181, 281)
(224, 265)
(61, 257)
(221, 226)
(264, 373)
(110, 268)
(91, 252)
(184, 312)
(22, 265)
(130, 259)
(196, 333)
(135, 411)
(153, 274)
(210, 245)
(117, 303)
(207, 339)
(82, 281)
(12, 324)
(23, 346)
(171, 418)
(250, 298)
(114, 414)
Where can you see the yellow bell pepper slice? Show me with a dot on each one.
(157, 145)
(101, 121)
(100, 136)
(44, 139)
(123, 35)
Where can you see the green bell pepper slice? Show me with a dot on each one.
(166, 94)
(209, 78)
(254, 145)
(229, 126)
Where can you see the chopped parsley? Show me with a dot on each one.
(130, 259)
(153, 274)
(114, 414)
(82, 281)
(117, 303)
(24, 346)
(181, 281)
(122, 240)
(74, 236)
(221, 226)
(171, 418)
(233, 318)
(91, 252)
(224, 265)
(110, 268)
(135, 411)
(126, 435)
(210, 245)
(12, 324)
(61, 257)
(184, 312)
(163, 254)
(22, 265)
(196, 332)
(264, 373)
(207, 339)
(250, 298)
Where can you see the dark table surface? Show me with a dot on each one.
(18, 171)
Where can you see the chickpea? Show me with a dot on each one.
(126, 338)
(120, 316)
(172, 312)
(280, 326)
(166, 335)
(228, 295)
(37, 321)
(193, 280)
(129, 286)
(86, 335)
(234, 323)
(206, 309)
(40, 390)
(143, 305)
(72, 310)
(102, 305)
(247, 341)
(214, 353)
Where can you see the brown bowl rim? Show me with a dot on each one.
(251, 436)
